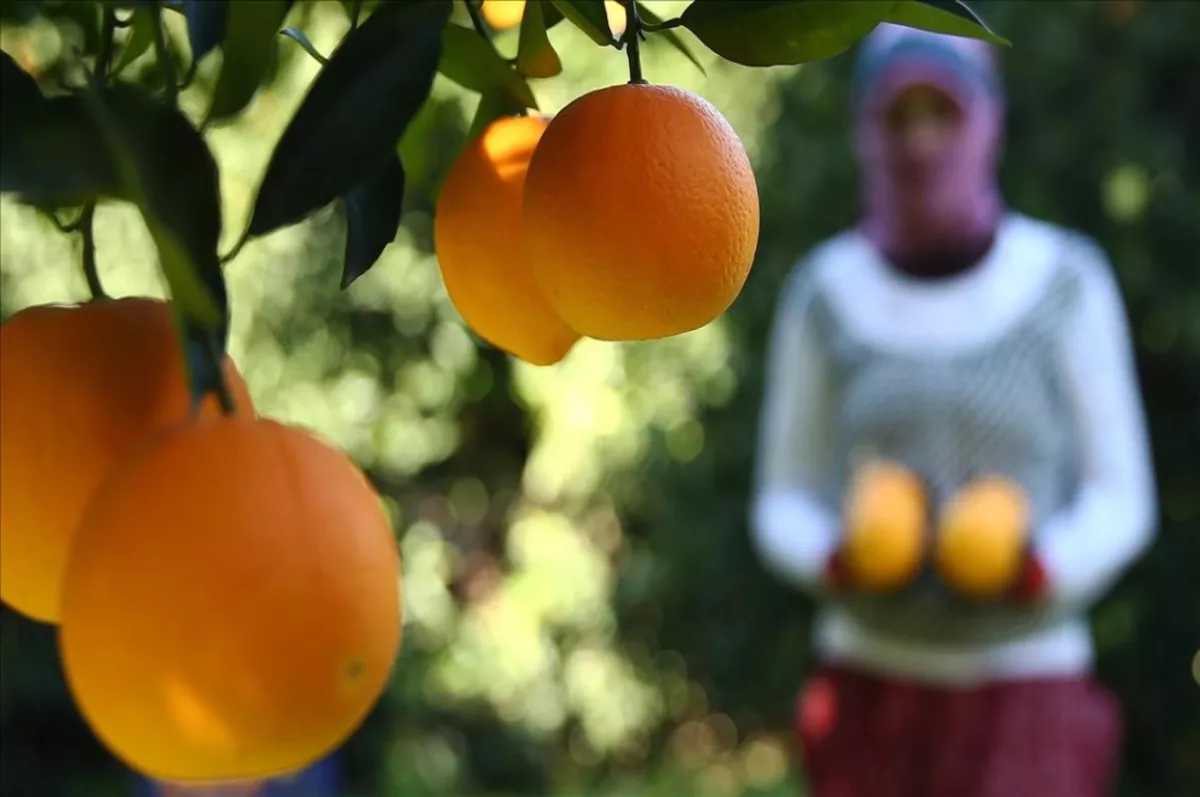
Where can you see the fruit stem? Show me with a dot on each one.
(87, 232)
(355, 13)
(237, 248)
(107, 34)
(631, 38)
(220, 387)
(475, 9)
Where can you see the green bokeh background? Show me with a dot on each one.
(584, 613)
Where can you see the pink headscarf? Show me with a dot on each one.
(959, 202)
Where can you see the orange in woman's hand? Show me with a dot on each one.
(885, 520)
(982, 535)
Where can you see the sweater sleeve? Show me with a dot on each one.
(793, 530)
(1111, 521)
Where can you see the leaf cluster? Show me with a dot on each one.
(111, 138)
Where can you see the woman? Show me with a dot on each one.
(957, 337)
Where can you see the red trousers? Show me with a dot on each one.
(865, 736)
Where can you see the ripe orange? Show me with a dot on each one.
(982, 535)
(505, 14)
(480, 249)
(641, 213)
(885, 520)
(80, 387)
(231, 609)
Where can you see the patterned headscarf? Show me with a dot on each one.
(960, 202)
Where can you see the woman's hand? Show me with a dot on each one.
(1032, 582)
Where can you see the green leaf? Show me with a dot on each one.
(536, 57)
(943, 16)
(669, 36)
(298, 36)
(356, 110)
(372, 218)
(165, 168)
(776, 32)
(19, 12)
(248, 47)
(590, 17)
(363, 8)
(141, 38)
(54, 156)
(472, 62)
(17, 86)
(205, 25)
(491, 107)
(551, 14)
(51, 153)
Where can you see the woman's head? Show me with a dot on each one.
(928, 121)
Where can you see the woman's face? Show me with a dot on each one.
(922, 126)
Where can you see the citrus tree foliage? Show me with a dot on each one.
(102, 136)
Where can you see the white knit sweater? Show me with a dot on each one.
(1022, 365)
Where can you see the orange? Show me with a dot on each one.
(480, 249)
(505, 14)
(885, 520)
(983, 531)
(641, 213)
(80, 387)
(232, 607)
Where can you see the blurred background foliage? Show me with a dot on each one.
(584, 612)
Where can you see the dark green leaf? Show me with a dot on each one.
(20, 12)
(119, 143)
(551, 14)
(16, 85)
(51, 154)
(205, 25)
(300, 38)
(354, 113)
(491, 107)
(361, 7)
(141, 39)
(774, 32)
(165, 168)
(943, 16)
(589, 16)
(669, 36)
(536, 57)
(372, 218)
(248, 47)
(55, 156)
(473, 63)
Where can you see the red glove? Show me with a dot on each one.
(1033, 582)
(837, 575)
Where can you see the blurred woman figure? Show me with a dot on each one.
(958, 338)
